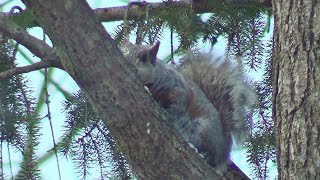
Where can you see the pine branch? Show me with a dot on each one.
(117, 13)
(44, 51)
(29, 167)
(82, 123)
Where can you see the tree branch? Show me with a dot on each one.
(117, 13)
(29, 68)
(35, 45)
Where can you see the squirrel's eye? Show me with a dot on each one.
(142, 57)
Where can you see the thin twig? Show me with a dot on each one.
(1, 160)
(15, 51)
(14, 8)
(50, 121)
(10, 164)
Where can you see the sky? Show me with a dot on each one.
(49, 168)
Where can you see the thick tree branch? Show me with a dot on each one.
(29, 68)
(35, 46)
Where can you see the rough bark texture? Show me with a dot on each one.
(88, 54)
(296, 79)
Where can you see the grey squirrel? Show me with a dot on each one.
(206, 101)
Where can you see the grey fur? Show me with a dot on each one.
(206, 101)
(224, 85)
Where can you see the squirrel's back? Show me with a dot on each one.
(224, 85)
(202, 106)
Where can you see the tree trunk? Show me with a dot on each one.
(90, 56)
(296, 78)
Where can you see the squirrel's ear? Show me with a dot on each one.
(154, 51)
(125, 41)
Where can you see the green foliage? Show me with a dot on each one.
(18, 123)
(151, 27)
(24, 19)
(189, 26)
(261, 147)
(89, 143)
(29, 165)
(247, 42)
(229, 18)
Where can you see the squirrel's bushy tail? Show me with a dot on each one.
(225, 86)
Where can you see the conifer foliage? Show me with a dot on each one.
(88, 141)
(18, 122)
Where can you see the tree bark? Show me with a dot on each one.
(296, 78)
(89, 55)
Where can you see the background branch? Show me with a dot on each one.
(29, 68)
(117, 13)
(35, 45)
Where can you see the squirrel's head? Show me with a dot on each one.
(143, 57)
